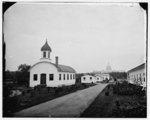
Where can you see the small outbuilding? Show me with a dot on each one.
(104, 76)
(98, 78)
(87, 79)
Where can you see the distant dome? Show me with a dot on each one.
(108, 68)
(46, 47)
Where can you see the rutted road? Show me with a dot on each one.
(71, 105)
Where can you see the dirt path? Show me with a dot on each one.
(101, 106)
(71, 105)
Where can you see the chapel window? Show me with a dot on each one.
(51, 76)
(64, 76)
(59, 76)
(67, 76)
(48, 54)
(44, 54)
(70, 76)
(35, 77)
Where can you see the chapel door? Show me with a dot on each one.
(43, 79)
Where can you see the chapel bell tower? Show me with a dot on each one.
(46, 50)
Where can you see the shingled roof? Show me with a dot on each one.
(60, 68)
(142, 66)
(46, 47)
(64, 68)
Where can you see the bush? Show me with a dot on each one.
(39, 87)
(128, 89)
(6, 91)
(32, 93)
(107, 93)
(117, 103)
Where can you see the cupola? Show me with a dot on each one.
(46, 47)
(46, 50)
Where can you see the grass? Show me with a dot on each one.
(118, 104)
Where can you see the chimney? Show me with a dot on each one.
(56, 61)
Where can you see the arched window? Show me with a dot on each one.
(44, 54)
(51, 77)
(35, 77)
(48, 54)
(70, 76)
(67, 76)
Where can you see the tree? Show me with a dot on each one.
(24, 68)
(23, 74)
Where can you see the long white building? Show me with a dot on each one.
(50, 74)
(137, 75)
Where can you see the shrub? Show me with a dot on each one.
(6, 91)
(108, 87)
(107, 93)
(127, 89)
(117, 103)
(39, 87)
(48, 89)
(32, 93)
(23, 93)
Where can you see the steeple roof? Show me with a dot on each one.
(46, 47)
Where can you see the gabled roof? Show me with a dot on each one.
(60, 68)
(97, 75)
(46, 47)
(142, 66)
(88, 75)
(64, 68)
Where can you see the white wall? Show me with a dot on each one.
(87, 79)
(44, 68)
(48, 68)
(47, 52)
(67, 81)
(134, 77)
(103, 76)
(98, 78)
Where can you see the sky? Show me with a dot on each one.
(85, 36)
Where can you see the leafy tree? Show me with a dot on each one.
(23, 68)
(23, 74)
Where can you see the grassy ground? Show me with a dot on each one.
(36, 96)
(120, 104)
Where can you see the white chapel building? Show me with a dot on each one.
(50, 74)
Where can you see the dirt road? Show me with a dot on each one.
(71, 105)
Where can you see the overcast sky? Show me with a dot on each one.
(84, 36)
